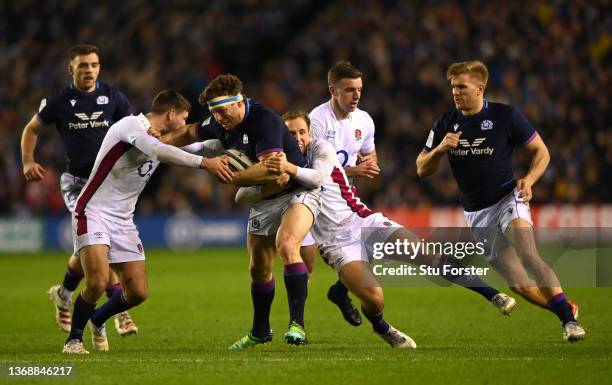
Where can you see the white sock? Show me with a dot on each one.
(64, 293)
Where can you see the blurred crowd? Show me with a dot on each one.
(549, 58)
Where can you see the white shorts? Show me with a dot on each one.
(265, 216)
(349, 247)
(71, 187)
(489, 224)
(122, 238)
(308, 240)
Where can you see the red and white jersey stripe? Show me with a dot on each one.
(340, 206)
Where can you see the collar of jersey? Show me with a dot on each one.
(247, 108)
(72, 87)
(485, 107)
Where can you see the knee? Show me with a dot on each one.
(261, 272)
(288, 247)
(96, 286)
(136, 297)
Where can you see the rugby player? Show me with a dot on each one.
(350, 131)
(82, 113)
(103, 227)
(275, 225)
(479, 137)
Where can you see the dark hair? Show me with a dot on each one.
(226, 84)
(166, 100)
(82, 49)
(296, 114)
(342, 70)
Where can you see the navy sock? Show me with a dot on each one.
(262, 295)
(558, 305)
(296, 282)
(80, 315)
(378, 322)
(112, 289)
(471, 282)
(71, 279)
(339, 289)
(115, 305)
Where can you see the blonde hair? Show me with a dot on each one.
(474, 68)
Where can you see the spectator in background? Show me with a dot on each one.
(550, 59)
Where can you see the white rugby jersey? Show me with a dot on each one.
(126, 160)
(349, 137)
(339, 204)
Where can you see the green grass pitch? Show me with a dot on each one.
(199, 303)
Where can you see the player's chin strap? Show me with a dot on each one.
(224, 100)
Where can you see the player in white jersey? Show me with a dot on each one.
(351, 132)
(103, 228)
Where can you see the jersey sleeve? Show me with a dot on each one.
(435, 136)
(209, 148)
(268, 134)
(47, 111)
(368, 142)
(123, 106)
(522, 132)
(135, 133)
(206, 129)
(323, 158)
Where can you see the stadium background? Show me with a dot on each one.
(549, 58)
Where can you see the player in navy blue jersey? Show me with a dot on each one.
(82, 113)
(276, 224)
(479, 137)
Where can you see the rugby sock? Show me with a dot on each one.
(70, 283)
(112, 289)
(339, 289)
(296, 282)
(115, 305)
(471, 282)
(262, 295)
(80, 315)
(379, 324)
(558, 305)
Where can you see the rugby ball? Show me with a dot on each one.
(237, 160)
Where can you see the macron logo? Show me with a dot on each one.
(471, 148)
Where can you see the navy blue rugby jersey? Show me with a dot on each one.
(482, 163)
(262, 131)
(82, 119)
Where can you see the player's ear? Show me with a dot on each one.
(481, 88)
(171, 114)
(70, 71)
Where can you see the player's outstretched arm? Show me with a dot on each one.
(172, 155)
(539, 161)
(182, 136)
(428, 162)
(32, 171)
